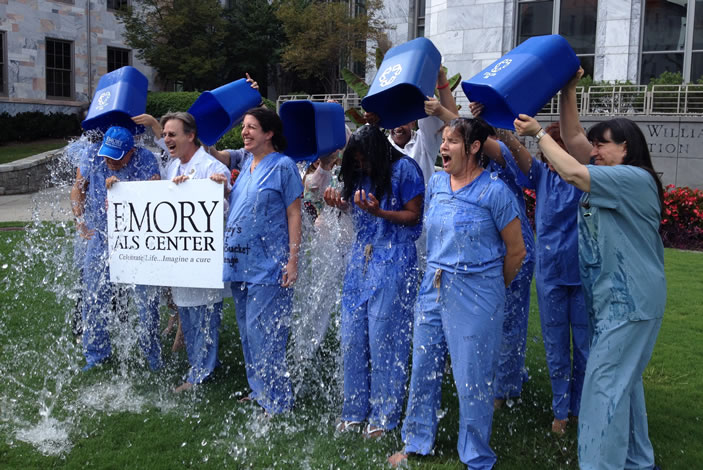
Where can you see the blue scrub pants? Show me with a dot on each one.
(562, 313)
(97, 294)
(263, 315)
(463, 317)
(511, 372)
(376, 330)
(201, 330)
(613, 430)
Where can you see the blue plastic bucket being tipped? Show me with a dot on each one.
(312, 130)
(406, 77)
(216, 111)
(523, 80)
(120, 95)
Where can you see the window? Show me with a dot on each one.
(117, 4)
(573, 19)
(59, 68)
(3, 64)
(419, 18)
(117, 58)
(670, 42)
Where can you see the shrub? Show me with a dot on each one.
(160, 103)
(682, 218)
(530, 200)
(34, 125)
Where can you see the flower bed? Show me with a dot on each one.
(682, 218)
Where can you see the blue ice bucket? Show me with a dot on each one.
(216, 111)
(406, 77)
(120, 95)
(523, 80)
(312, 130)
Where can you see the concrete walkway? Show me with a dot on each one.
(52, 204)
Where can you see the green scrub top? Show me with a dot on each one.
(620, 250)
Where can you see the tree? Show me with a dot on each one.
(323, 37)
(253, 41)
(182, 39)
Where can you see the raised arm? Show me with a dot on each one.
(571, 129)
(570, 169)
(446, 99)
(520, 153)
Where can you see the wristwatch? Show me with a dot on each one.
(539, 135)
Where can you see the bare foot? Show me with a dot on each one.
(183, 387)
(559, 426)
(498, 403)
(398, 459)
(245, 399)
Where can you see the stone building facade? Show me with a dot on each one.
(54, 53)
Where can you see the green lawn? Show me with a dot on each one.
(17, 150)
(122, 416)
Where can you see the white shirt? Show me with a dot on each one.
(424, 144)
(200, 166)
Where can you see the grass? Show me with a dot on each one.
(17, 150)
(122, 416)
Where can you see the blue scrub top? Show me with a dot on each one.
(620, 249)
(406, 183)
(463, 227)
(142, 166)
(556, 221)
(256, 236)
(510, 175)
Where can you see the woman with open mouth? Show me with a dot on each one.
(474, 250)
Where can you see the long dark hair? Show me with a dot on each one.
(377, 154)
(471, 130)
(637, 153)
(270, 121)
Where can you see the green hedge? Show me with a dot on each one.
(35, 125)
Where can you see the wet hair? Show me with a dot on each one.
(471, 130)
(270, 122)
(623, 130)
(378, 155)
(189, 125)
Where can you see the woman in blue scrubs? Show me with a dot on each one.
(384, 190)
(474, 250)
(622, 269)
(262, 238)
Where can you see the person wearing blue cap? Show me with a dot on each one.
(474, 250)
(562, 306)
(262, 239)
(384, 190)
(116, 159)
(199, 309)
(621, 259)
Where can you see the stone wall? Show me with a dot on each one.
(27, 175)
(27, 24)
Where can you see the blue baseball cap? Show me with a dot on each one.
(116, 143)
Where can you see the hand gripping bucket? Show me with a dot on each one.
(523, 80)
(312, 130)
(406, 77)
(216, 111)
(120, 95)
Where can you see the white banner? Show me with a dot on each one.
(164, 234)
